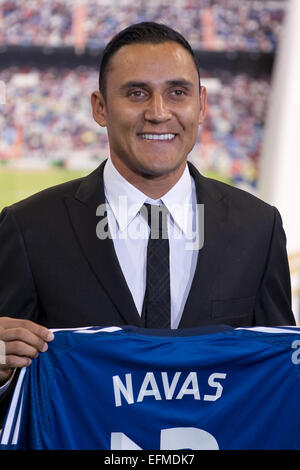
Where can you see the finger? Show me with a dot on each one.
(39, 330)
(24, 336)
(18, 348)
(17, 361)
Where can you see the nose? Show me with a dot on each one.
(157, 111)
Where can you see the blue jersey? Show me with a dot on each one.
(129, 388)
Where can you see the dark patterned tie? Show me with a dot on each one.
(157, 309)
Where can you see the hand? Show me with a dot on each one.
(20, 342)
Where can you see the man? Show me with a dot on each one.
(60, 269)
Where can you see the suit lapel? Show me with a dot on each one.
(100, 253)
(210, 255)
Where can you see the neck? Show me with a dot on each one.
(153, 186)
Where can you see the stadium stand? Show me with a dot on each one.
(62, 131)
(50, 52)
(207, 24)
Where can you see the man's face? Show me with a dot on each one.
(152, 108)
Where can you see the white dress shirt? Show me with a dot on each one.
(130, 233)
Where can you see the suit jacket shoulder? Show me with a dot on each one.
(242, 206)
(48, 197)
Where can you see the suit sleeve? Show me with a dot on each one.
(273, 304)
(5, 398)
(17, 291)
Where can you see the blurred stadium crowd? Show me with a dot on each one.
(208, 24)
(46, 119)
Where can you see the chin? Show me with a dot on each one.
(157, 170)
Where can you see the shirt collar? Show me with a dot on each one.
(126, 200)
(178, 200)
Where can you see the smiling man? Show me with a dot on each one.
(58, 271)
(152, 107)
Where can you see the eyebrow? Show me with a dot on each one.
(174, 82)
(180, 82)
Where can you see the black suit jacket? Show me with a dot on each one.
(54, 269)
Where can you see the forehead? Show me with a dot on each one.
(152, 62)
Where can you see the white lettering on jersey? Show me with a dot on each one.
(213, 383)
(119, 388)
(296, 354)
(169, 389)
(164, 387)
(149, 379)
(191, 378)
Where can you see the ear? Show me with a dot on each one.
(202, 104)
(98, 108)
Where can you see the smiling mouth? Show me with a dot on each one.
(159, 137)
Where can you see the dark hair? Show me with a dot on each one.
(145, 32)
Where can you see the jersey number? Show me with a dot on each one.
(170, 439)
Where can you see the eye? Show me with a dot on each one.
(137, 94)
(178, 93)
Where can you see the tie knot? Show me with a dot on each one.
(157, 219)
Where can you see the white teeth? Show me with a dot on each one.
(157, 136)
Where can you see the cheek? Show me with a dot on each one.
(189, 116)
(125, 124)
(117, 127)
